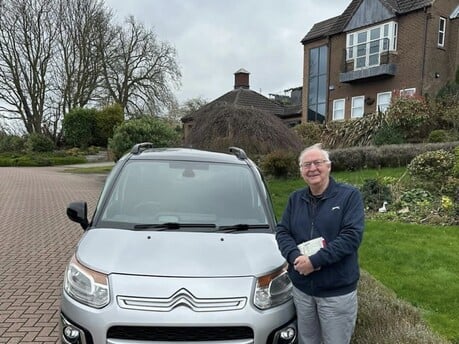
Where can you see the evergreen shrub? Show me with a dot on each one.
(309, 132)
(375, 193)
(388, 135)
(433, 166)
(106, 120)
(79, 127)
(142, 129)
(280, 164)
(347, 159)
(456, 162)
(39, 143)
(439, 135)
(355, 158)
(410, 116)
(11, 143)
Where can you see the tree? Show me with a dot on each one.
(138, 70)
(57, 55)
(177, 112)
(78, 68)
(27, 32)
(49, 61)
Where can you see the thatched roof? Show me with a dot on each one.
(245, 97)
(220, 125)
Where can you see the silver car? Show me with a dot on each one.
(180, 249)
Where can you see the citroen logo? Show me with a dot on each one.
(183, 298)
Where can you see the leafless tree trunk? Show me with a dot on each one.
(27, 31)
(78, 68)
(139, 71)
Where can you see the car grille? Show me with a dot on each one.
(182, 298)
(179, 333)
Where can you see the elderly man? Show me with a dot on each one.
(319, 235)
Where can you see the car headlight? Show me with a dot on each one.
(85, 285)
(273, 289)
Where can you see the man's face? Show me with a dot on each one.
(314, 169)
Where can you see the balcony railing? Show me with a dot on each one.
(368, 60)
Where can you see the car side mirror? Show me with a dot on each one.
(78, 212)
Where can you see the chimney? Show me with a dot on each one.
(241, 79)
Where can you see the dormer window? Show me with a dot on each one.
(364, 47)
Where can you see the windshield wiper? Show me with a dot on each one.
(240, 227)
(173, 225)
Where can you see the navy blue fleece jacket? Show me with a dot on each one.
(338, 216)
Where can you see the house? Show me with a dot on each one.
(287, 108)
(377, 49)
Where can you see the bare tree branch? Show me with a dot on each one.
(78, 68)
(139, 71)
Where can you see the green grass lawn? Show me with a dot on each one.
(420, 263)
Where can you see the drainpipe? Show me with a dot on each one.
(327, 108)
(427, 17)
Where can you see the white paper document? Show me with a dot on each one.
(308, 248)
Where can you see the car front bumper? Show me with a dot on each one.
(177, 314)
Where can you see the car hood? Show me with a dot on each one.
(179, 254)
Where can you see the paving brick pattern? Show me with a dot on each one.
(36, 242)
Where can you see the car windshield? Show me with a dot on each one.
(154, 192)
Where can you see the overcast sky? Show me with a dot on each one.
(215, 38)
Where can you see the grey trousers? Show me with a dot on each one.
(325, 320)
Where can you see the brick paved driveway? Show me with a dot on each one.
(36, 241)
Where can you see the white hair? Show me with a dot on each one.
(317, 146)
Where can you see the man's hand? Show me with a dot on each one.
(303, 265)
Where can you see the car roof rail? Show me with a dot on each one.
(239, 152)
(140, 147)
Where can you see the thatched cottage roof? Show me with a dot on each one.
(220, 125)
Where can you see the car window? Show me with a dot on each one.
(152, 191)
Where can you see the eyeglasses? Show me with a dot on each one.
(316, 163)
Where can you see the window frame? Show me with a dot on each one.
(378, 102)
(386, 31)
(317, 100)
(441, 39)
(335, 109)
(408, 92)
(353, 107)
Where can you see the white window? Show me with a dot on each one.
(441, 32)
(338, 109)
(365, 47)
(408, 92)
(357, 106)
(383, 101)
